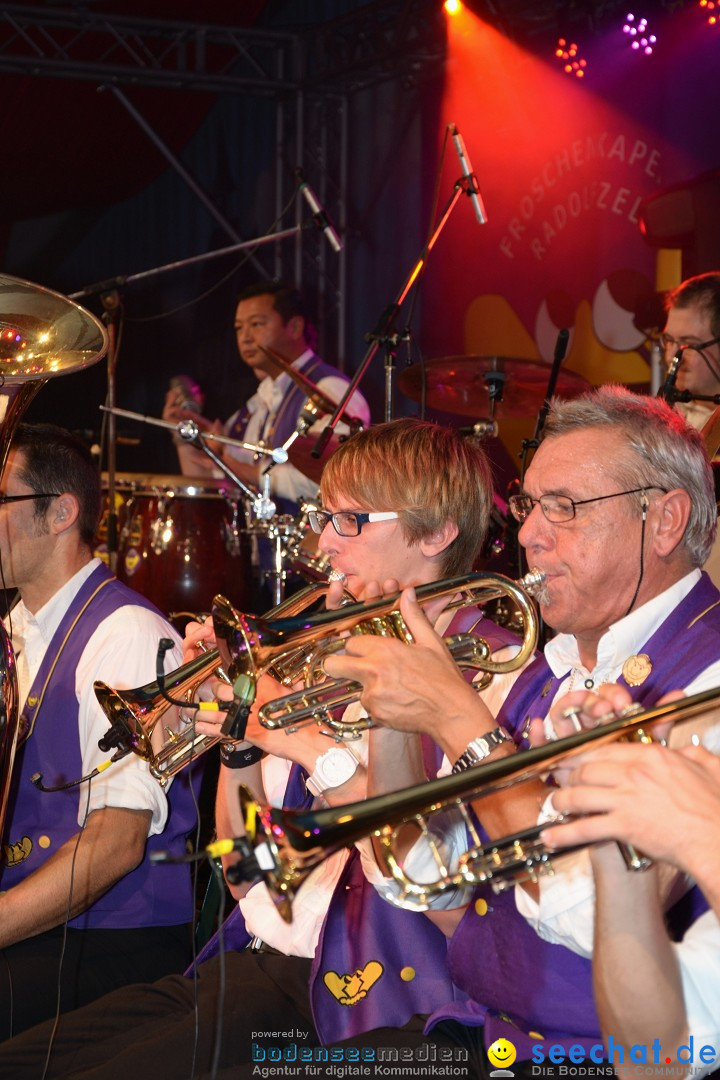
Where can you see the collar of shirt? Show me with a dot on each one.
(623, 638)
(33, 632)
(271, 391)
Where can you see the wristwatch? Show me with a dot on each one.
(332, 769)
(478, 749)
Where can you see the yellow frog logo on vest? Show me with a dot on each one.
(18, 852)
(349, 989)
(501, 1054)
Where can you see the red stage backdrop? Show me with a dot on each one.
(563, 165)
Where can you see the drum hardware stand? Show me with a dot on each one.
(561, 345)
(262, 505)
(189, 431)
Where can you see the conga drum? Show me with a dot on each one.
(181, 541)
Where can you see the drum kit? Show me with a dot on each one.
(182, 540)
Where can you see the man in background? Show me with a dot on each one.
(269, 315)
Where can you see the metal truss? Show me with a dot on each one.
(118, 49)
(308, 75)
(386, 39)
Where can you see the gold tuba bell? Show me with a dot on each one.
(42, 334)
(284, 846)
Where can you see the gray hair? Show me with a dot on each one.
(668, 452)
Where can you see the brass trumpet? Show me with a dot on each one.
(250, 646)
(284, 846)
(318, 702)
(134, 714)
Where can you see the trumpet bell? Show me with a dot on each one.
(126, 714)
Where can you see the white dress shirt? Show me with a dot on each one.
(286, 481)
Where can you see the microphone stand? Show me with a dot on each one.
(112, 316)
(384, 333)
(561, 345)
(129, 279)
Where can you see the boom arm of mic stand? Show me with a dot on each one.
(195, 438)
(561, 345)
(385, 324)
(558, 356)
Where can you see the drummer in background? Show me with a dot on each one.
(693, 321)
(271, 315)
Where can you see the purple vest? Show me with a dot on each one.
(377, 965)
(529, 990)
(41, 822)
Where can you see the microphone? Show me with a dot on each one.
(473, 187)
(319, 215)
(667, 390)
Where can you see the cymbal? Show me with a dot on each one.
(462, 384)
(300, 455)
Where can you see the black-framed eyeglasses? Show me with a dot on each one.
(347, 522)
(667, 341)
(559, 508)
(34, 495)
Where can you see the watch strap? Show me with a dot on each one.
(478, 749)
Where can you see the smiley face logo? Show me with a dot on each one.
(502, 1053)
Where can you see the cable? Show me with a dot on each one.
(56, 1022)
(218, 284)
(645, 504)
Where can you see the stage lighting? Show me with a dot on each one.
(572, 63)
(637, 33)
(713, 10)
(452, 7)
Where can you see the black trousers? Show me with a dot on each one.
(165, 1030)
(94, 963)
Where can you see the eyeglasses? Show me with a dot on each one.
(558, 508)
(23, 498)
(346, 522)
(667, 341)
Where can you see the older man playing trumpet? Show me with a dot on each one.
(618, 512)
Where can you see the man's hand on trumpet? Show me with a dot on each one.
(665, 802)
(302, 746)
(416, 688)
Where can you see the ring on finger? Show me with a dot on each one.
(572, 713)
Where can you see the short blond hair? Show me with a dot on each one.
(429, 474)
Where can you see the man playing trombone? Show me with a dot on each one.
(618, 512)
